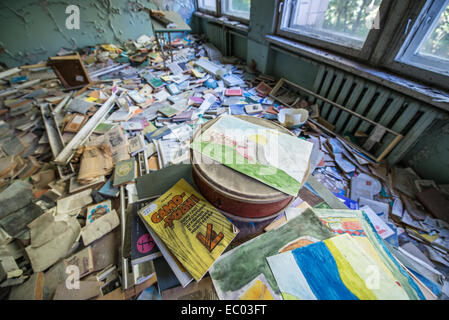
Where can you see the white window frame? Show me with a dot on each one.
(233, 14)
(334, 42)
(216, 12)
(422, 29)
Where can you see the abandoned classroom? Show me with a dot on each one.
(224, 150)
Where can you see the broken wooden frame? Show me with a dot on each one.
(70, 70)
(375, 137)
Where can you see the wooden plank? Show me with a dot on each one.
(335, 104)
(34, 66)
(350, 104)
(54, 136)
(412, 136)
(389, 148)
(375, 109)
(332, 94)
(341, 98)
(39, 289)
(401, 122)
(360, 108)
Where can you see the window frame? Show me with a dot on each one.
(382, 46)
(215, 13)
(230, 15)
(322, 42)
(415, 25)
(220, 12)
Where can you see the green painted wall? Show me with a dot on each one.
(239, 46)
(293, 68)
(430, 156)
(37, 28)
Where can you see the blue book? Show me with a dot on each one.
(351, 204)
(157, 134)
(108, 190)
(238, 109)
(166, 279)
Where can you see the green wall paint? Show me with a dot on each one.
(38, 27)
(239, 46)
(293, 68)
(430, 156)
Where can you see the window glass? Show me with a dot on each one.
(436, 44)
(210, 5)
(237, 8)
(346, 22)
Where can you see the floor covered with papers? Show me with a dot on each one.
(98, 189)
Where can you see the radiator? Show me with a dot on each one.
(400, 113)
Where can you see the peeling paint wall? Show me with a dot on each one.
(32, 30)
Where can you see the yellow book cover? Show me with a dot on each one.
(192, 229)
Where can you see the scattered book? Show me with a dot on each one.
(125, 172)
(108, 190)
(233, 92)
(97, 210)
(103, 127)
(173, 89)
(263, 88)
(143, 247)
(253, 108)
(191, 228)
(75, 123)
(136, 144)
(83, 260)
(166, 178)
(157, 134)
(166, 279)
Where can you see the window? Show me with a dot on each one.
(208, 5)
(427, 46)
(344, 22)
(237, 8)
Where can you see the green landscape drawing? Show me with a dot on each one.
(267, 174)
(236, 268)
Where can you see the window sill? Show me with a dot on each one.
(432, 96)
(228, 23)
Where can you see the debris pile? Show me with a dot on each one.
(88, 138)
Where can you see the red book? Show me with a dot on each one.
(233, 92)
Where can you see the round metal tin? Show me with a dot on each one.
(233, 193)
